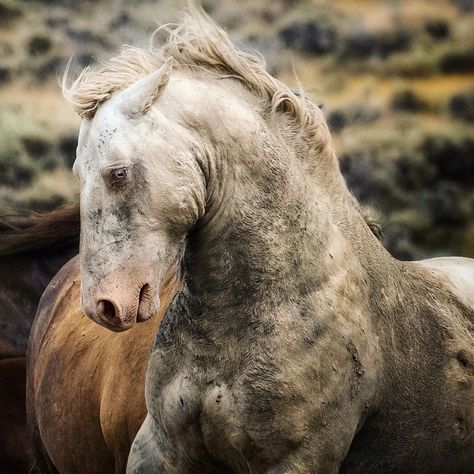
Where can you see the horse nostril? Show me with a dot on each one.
(107, 310)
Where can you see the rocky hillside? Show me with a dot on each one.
(395, 77)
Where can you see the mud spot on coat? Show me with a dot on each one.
(358, 367)
(463, 359)
(96, 217)
(123, 213)
(314, 335)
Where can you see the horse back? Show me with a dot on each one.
(457, 272)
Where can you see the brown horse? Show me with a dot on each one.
(32, 249)
(85, 384)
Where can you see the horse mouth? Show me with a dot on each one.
(116, 326)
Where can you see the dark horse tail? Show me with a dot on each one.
(32, 231)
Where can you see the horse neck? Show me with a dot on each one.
(277, 235)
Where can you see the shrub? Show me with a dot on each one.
(5, 75)
(413, 174)
(39, 45)
(40, 151)
(67, 149)
(452, 157)
(468, 249)
(310, 37)
(44, 69)
(85, 59)
(340, 118)
(445, 204)
(365, 44)
(461, 106)
(41, 203)
(86, 36)
(121, 19)
(365, 177)
(437, 29)
(414, 63)
(63, 3)
(364, 114)
(458, 60)
(15, 168)
(337, 120)
(9, 9)
(36, 146)
(464, 5)
(398, 240)
(407, 101)
(25, 148)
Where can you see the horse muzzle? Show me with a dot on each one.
(121, 309)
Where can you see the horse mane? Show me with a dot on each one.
(373, 220)
(198, 43)
(20, 233)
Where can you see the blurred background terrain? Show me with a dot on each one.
(395, 78)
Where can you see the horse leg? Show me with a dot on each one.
(327, 444)
(323, 452)
(144, 457)
(43, 463)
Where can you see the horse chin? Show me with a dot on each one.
(121, 326)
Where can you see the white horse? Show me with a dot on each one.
(297, 344)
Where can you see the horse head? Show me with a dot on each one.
(141, 190)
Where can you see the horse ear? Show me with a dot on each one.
(138, 98)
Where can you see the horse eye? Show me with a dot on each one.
(119, 174)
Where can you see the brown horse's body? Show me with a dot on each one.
(85, 383)
(32, 249)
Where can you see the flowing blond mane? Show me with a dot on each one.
(199, 43)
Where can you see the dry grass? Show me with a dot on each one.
(47, 190)
(43, 104)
